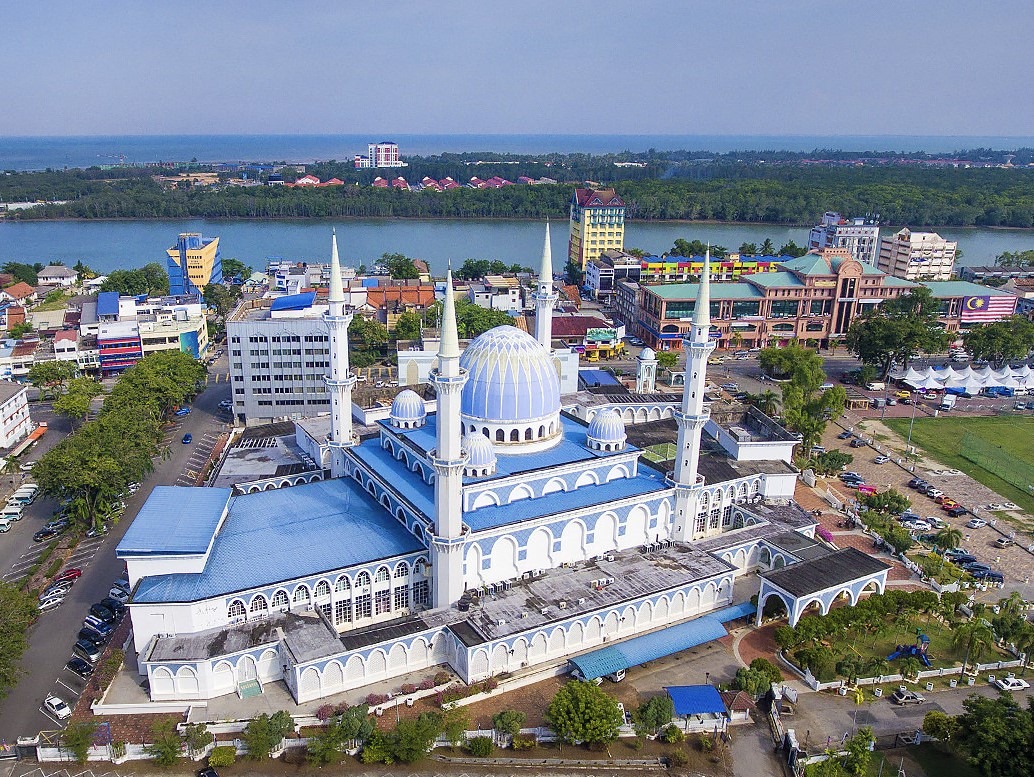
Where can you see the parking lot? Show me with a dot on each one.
(1016, 563)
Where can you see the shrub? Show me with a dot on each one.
(509, 721)
(198, 737)
(677, 758)
(524, 741)
(673, 735)
(224, 755)
(408, 688)
(324, 712)
(376, 698)
(441, 678)
(264, 733)
(78, 737)
(426, 685)
(488, 685)
(118, 749)
(480, 747)
(167, 745)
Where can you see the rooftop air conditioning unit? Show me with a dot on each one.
(562, 604)
(581, 600)
(610, 557)
(544, 611)
(500, 622)
(524, 615)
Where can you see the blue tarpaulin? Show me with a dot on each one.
(696, 699)
(649, 647)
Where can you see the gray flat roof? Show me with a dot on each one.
(827, 571)
(634, 573)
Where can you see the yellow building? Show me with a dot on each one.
(193, 263)
(597, 224)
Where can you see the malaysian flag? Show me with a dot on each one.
(988, 308)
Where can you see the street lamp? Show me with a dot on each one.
(908, 443)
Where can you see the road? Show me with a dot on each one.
(51, 638)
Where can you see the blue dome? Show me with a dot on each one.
(479, 451)
(408, 406)
(607, 427)
(510, 378)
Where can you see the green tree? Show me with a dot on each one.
(78, 738)
(400, 267)
(757, 678)
(234, 269)
(50, 377)
(1015, 258)
(222, 299)
(453, 723)
(806, 408)
(898, 330)
(76, 401)
(19, 611)
(1000, 341)
(940, 726)
(975, 636)
(480, 747)
(509, 722)
(859, 752)
(473, 269)
(890, 502)
(367, 333)
(412, 739)
(264, 733)
(748, 249)
(575, 275)
(792, 249)
(655, 713)
(197, 737)
(24, 272)
(667, 360)
(996, 736)
(689, 248)
(151, 279)
(166, 746)
(584, 712)
(767, 402)
(831, 462)
(407, 326)
(767, 248)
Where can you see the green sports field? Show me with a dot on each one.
(1006, 445)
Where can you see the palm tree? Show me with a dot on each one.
(976, 636)
(946, 539)
(1024, 642)
(878, 665)
(736, 339)
(767, 248)
(910, 666)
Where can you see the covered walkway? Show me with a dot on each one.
(658, 644)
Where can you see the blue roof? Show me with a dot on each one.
(175, 520)
(696, 699)
(597, 378)
(294, 301)
(272, 536)
(741, 610)
(107, 303)
(649, 647)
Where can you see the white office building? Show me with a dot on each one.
(917, 256)
(860, 236)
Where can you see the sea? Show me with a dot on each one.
(40, 153)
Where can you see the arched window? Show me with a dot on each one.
(362, 580)
(515, 435)
(527, 433)
(301, 594)
(500, 435)
(280, 600)
(322, 589)
(235, 610)
(383, 576)
(343, 584)
(259, 606)
(402, 571)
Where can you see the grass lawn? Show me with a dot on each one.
(935, 762)
(941, 438)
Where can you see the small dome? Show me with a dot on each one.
(647, 355)
(407, 409)
(480, 455)
(606, 432)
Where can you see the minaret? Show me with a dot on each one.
(692, 416)
(545, 298)
(448, 459)
(340, 380)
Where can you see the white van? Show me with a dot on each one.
(876, 386)
(12, 511)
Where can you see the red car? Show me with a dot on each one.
(73, 573)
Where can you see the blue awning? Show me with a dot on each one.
(649, 647)
(294, 301)
(741, 610)
(696, 699)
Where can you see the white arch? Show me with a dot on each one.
(575, 634)
(605, 533)
(587, 478)
(504, 558)
(162, 682)
(572, 541)
(398, 657)
(376, 664)
(617, 471)
(594, 630)
(539, 549)
(473, 565)
(310, 683)
(186, 681)
(557, 640)
(485, 499)
(355, 669)
(333, 676)
(479, 663)
(500, 658)
(552, 486)
(635, 526)
(537, 649)
(522, 491)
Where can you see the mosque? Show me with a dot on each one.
(491, 531)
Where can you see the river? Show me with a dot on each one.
(109, 245)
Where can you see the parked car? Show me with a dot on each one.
(976, 566)
(964, 558)
(182, 411)
(56, 706)
(906, 697)
(730, 386)
(62, 587)
(188, 438)
(1001, 506)
(881, 459)
(850, 475)
(908, 515)
(105, 614)
(47, 605)
(975, 523)
(45, 534)
(5, 524)
(208, 771)
(87, 650)
(915, 482)
(92, 636)
(919, 525)
(956, 511)
(102, 627)
(226, 404)
(933, 492)
(1004, 542)
(80, 667)
(114, 605)
(942, 499)
(988, 576)
(1011, 683)
(123, 584)
(845, 435)
(72, 573)
(857, 442)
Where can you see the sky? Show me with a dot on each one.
(689, 67)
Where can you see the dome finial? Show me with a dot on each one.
(337, 291)
(449, 345)
(702, 314)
